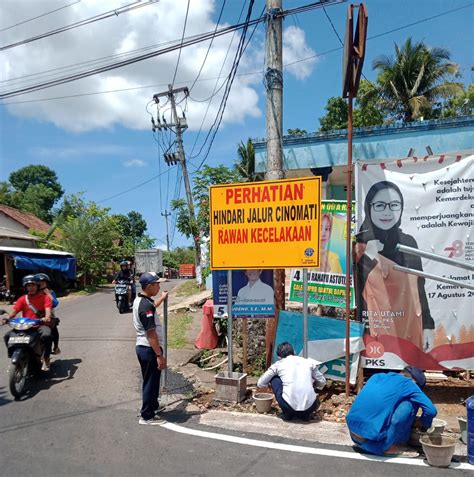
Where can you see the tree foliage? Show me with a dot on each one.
(246, 162)
(92, 237)
(363, 114)
(297, 132)
(174, 258)
(33, 189)
(206, 177)
(410, 84)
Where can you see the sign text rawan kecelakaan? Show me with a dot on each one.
(271, 224)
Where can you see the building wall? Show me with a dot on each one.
(9, 223)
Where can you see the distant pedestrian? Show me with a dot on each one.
(292, 379)
(383, 414)
(148, 345)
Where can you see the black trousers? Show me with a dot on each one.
(151, 381)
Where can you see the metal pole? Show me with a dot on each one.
(348, 238)
(274, 118)
(229, 323)
(165, 339)
(437, 278)
(436, 257)
(305, 312)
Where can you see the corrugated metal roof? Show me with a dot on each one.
(41, 251)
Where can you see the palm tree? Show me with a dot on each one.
(246, 164)
(410, 84)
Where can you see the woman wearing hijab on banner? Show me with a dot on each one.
(330, 262)
(392, 302)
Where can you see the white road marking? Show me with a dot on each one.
(305, 450)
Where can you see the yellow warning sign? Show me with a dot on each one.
(265, 225)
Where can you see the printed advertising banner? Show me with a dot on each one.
(327, 283)
(426, 204)
(326, 342)
(265, 225)
(252, 293)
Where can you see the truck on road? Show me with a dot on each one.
(150, 260)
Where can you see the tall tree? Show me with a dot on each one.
(246, 163)
(410, 83)
(206, 177)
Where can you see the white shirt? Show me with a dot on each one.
(297, 375)
(258, 293)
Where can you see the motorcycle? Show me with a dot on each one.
(24, 350)
(121, 296)
(5, 294)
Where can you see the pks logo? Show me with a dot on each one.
(309, 252)
(374, 349)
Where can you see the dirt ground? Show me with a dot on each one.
(448, 396)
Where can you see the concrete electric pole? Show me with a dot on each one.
(166, 214)
(274, 88)
(179, 124)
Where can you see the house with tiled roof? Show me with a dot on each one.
(20, 221)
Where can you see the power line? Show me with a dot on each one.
(182, 38)
(95, 18)
(120, 64)
(39, 16)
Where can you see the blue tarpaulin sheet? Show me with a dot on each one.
(30, 261)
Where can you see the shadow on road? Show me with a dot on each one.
(61, 370)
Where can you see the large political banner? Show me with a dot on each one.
(327, 283)
(252, 293)
(426, 204)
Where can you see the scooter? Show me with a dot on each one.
(24, 350)
(121, 296)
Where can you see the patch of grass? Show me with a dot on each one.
(86, 291)
(177, 327)
(188, 288)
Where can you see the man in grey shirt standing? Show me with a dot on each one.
(291, 379)
(149, 352)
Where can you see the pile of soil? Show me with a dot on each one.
(447, 395)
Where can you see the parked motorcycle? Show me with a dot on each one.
(5, 294)
(24, 350)
(121, 296)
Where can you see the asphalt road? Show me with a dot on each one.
(82, 418)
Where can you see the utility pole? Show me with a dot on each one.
(166, 214)
(180, 124)
(274, 88)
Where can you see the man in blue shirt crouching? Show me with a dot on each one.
(384, 412)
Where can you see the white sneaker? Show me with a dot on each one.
(155, 421)
(46, 364)
(160, 409)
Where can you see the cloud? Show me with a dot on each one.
(158, 25)
(294, 49)
(75, 152)
(134, 163)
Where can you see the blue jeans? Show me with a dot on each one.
(151, 381)
(288, 411)
(398, 432)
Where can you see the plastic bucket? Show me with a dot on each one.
(439, 449)
(263, 402)
(463, 428)
(437, 427)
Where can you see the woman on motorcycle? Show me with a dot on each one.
(44, 286)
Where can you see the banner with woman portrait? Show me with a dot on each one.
(327, 284)
(425, 204)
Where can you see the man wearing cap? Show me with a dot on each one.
(383, 414)
(149, 352)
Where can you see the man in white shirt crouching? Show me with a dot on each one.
(291, 379)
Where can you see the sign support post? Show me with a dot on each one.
(229, 323)
(305, 312)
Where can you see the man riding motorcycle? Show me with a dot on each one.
(36, 305)
(126, 274)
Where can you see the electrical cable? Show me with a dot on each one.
(102, 16)
(40, 16)
(182, 38)
(209, 47)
